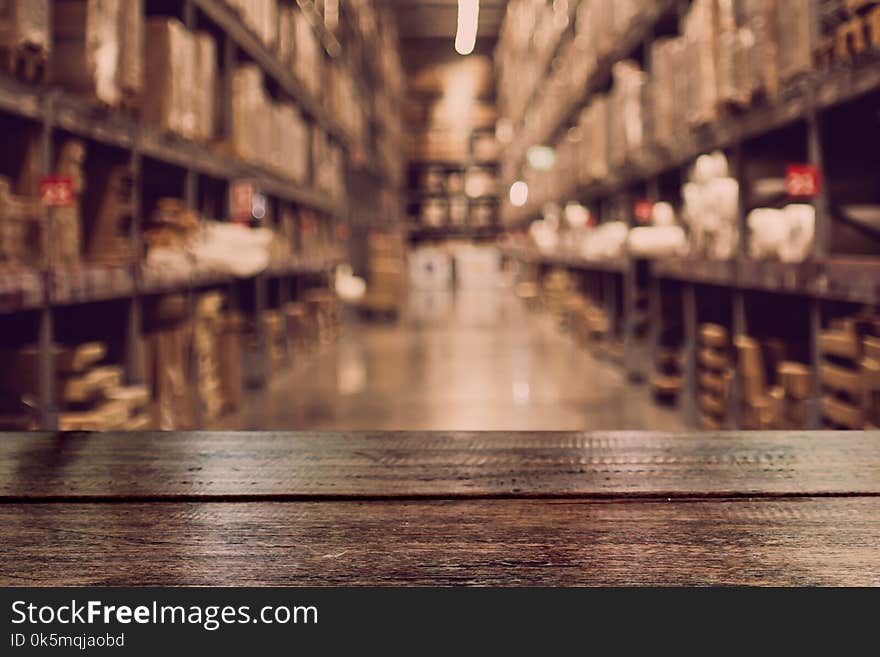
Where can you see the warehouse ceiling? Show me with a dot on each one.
(423, 19)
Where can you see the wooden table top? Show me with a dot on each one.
(440, 508)
(255, 465)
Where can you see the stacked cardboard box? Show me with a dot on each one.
(276, 342)
(387, 274)
(21, 228)
(208, 332)
(790, 397)
(108, 236)
(171, 225)
(25, 42)
(279, 141)
(714, 376)
(757, 363)
(626, 135)
(65, 245)
(167, 362)
(667, 377)
(23, 239)
(181, 79)
(328, 164)
(99, 48)
(871, 381)
(308, 58)
(848, 372)
(231, 326)
(300, 332)
(261, 17)
(90, 393)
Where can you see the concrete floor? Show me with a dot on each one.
(456, 361)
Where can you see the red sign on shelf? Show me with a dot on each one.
(803, 180)
(242, 196)
(57, 192)
(644, 210)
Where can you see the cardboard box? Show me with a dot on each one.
(170, 102)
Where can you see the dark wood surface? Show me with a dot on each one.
(446, 509)
(800, 541)
(445, 465)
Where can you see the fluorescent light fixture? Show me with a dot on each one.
(468, 19)
(541, 158)
(519, 194)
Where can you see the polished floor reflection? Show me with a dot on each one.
(469, 360)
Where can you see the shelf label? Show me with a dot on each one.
(643, 211)
(803, 180)
(242, 195)
(57, 192)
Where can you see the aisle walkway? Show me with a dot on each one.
(468, 361)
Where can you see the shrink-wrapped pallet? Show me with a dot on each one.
(24, 29)
(206, 85)
(169, 101)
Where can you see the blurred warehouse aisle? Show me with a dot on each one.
(471, 360)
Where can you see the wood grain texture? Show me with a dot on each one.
(447, 465)
(800, 541)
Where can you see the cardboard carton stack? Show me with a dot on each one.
(167, 362)
(276, 342)
(667, 377)
(848, 372)
(90, 392)
(25, 42)
(791, 395)
(229, 354)
(261, 17)
(871, 381)
(714, 376)
(181, 79)
(279, 140)
(387, 274)
(98, 49)
(208, 332)
(107, 237)
(757, 363)
(21, 228)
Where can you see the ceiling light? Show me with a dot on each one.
(468, 19)
(519, 194)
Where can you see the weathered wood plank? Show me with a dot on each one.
(797, 541)
(190, 465)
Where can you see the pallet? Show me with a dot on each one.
(841, 414)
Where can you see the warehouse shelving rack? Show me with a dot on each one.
(53, 111)
(420, 232)
(825, 278)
